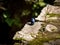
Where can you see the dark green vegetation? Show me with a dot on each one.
(21, 13)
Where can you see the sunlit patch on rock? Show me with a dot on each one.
(51, 28)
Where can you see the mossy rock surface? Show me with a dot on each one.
(45, 37)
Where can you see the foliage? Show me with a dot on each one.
(25, 12)
(11, 21)
(38, 6)
(34, 11)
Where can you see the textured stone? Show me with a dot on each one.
(50, 9)
(51, 28)
(46, 43)
(28, 32)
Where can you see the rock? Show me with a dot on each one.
(50, 9)
(51, 28)
(51, 18)
(57, 42)
(46, 43)
(52, 42)
(40, 18)
(28, 32)
(57, 1)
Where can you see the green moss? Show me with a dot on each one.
(52, 15)
(19, 39)
(41, 38)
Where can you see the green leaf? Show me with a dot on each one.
(4, 15)
(42, 4)
(25, 12)
(34, 5)
(9, 21)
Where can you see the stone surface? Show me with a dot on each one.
(50, 9)
(54, 20)
(51, 28)
(46, 43)
(57, 0)
(28, 32)
(52, 42)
